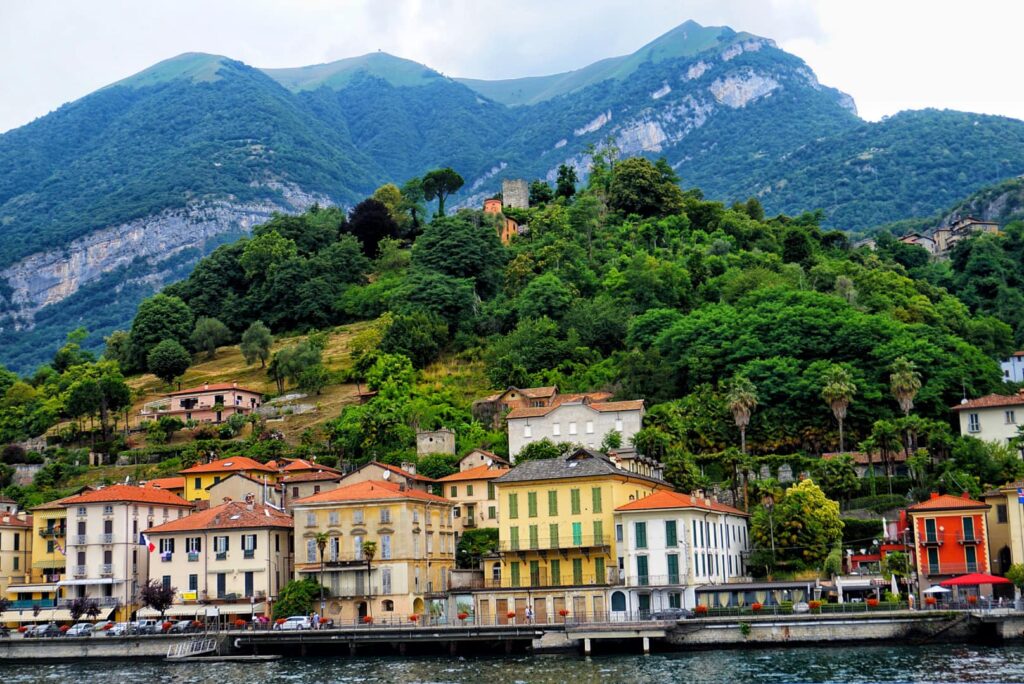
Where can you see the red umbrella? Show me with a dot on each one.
(973, 580)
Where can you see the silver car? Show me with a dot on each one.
(81, 629)
(295, 622)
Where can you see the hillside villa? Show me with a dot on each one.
(992, 418)
(204, 404)
(582, 421)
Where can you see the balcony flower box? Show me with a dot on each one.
(815, 606)
(462, 616)
(193, 557)
(972, 599)
(414, 617)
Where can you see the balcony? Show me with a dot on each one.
(193, 556)
(563, 544)
(931, 540)
(248, 553)
(30, 604)
(79, 540)
(107, 570)
(469, 522)
(542, 580)
(933, 569)
(166, 556)
(967, 538)
(78, 570)
(106, 538)
(53, 532)
(622, 579)
(222, 555)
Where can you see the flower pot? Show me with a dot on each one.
(701, 610)
(462, 616)
(872, 603)
(368, 619)
(756, 607)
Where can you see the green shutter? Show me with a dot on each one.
(491, 493)
(534, 544)
(455, 491)
(595, 493)
(641, 570)
(641, 535)
(598, 532)
(515, 574)
(574, 501)
(556, 572)
(552, 502)
(599, 574)
(513, 506)
(673, 568)
(671, 538)
(531, 504)
(577, 534)
(513, 538)
(553, 535)
(577, 571)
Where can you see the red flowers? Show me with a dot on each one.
(462, 616)
(414, 617)
(701, 609)
(368, 619)
(756, 607)
(872, 603)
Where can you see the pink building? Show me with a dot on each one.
(205, 404)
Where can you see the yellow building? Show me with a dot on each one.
(1004, 521)
(557, 548)
(474, 495)
(415, 549)
(15, 549)
(199, 478)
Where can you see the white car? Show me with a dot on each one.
(295, 622)
(81, 629)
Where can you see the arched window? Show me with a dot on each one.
(496, 572)
(388, 605)
(618, 601)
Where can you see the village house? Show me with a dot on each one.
(174, 485)
(209, 403)
(946, 237)
(950, 537)
(669, 543)
(1013, 367)
(295, 487)
(583, 422)
(234, 557)
(557, 548)
(15, 549)
(491, 410)
(1005, 523)
(406, 475)
(106, 559)
(7, 505)
(479, 457)
(992, 418)
(412, 562)
(242, 487)
(507, 227)
(199, 478)
(474, 496)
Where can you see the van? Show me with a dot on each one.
(148, 627)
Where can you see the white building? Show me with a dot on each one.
(582, 422)
(992, 418)
(669, 543)
(1013, 367)
(106, 560)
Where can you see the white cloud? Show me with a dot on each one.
(888, 55)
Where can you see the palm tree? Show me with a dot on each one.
(369, 549)
(904, 381)
(741, 397)
(838, 391)
(321, 544)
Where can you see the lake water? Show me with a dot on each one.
(945, 663)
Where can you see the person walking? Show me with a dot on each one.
(529, 615)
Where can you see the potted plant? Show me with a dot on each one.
(756, 607)
(701, 609)
(368, 619)
(414, 617)
(815, 606)
(239, 623)
(564, 613)
(511, 615)
(872, 603)
(462, 616)
(930, 601)
(972, 599)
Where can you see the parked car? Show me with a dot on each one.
(295, 622)
(121, 629)
(81, 629)
(46, 630)
(148, 627)
(184, 627)
(671, 614)
(4, 632)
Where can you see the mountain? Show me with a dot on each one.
(109, 197)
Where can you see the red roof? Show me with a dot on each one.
(369, 490)
(214, 387)
(227, 465)
(10, 520)
(399, 471)
(302, 465)
(665, 499)
(601, 407)
(127, 493)
(166, 483)
(481, 472)
(230, 515)
(991, 401)
(947, 502)
(318, 476)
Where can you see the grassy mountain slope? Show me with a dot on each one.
(336, 75)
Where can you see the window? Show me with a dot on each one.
(640, 532)
(671, 536)
(167, 546)
(310, 519)
(514, 572)
(534, 573)
(618, 534)
(220, 545)
(589, 427)
(598, 532)
(249, 545)
(457, 512)
(933, 561)
(534, 537)
(295, 492)
(357, 546)
(556, 429)
(357, 516)
(673, 568)
(572, 427)
(81, 510)
(553, 535)
(577, 571)
(556, 572)
(333, 518)
(513, 538)
(108, 510)
(595, 495)
(577, 534)
(334, 549)
(973, 423)
(453, 491)
(971, 556)
(469, 490)
(513, 506)
(491, 491)
(552, 502)
(385, 516)
(193, 544)
(531, 504)
(929, 531)
(385, 547)
(193, 582)
(1011, 417)
(599, 572)
(1001, 513)
(492, 512)
(642, 574)
(385, 587)
(618, 425)
(675, 600)
(968, 525)
(166, 581)
(574, 501)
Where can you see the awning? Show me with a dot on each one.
(194, 610)
(45, 615)
(83, 582)
(973, 580)
(936, 590)
(31, 588)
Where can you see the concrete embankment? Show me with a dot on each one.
(64, 648)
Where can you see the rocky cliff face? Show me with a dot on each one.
(49, 277)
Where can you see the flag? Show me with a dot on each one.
(144, 540)
(60, 548)
(1020, 495)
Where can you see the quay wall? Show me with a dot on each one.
(63, 648)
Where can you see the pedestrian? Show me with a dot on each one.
(255, 622)
(315, 621)
(529, 615)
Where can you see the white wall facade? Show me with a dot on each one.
(993, 423)
(1013, 368)
(576, 423)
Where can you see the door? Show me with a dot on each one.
(484, 615)
(248, 584)
(540, 610)
(558, 605)
(599, 614)
(521, 611)
(579, 608)
(502, 611)
(222, 584)
(644, 605)
(362, 610)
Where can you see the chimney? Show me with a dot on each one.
(966, 495)
(234, 384)
(934, 495)
(401, 487)
(409, 467)
(206, 385)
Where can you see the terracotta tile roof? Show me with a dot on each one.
(529, 392)
(239, 475)
(991, 401)
(368, 491)
(601, 407)
(56, 504)
(489, 454)
(166, 483)
(666, 499)
(9, 520)
(1017, 353)
(947, 502)
(319, 476)
(227, 465)
(580, 463)
(399, 471)
(232, 515)
(213, 387)
(481, 472)
(302, 465)
(127, 493)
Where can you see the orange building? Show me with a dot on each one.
(950, 537)
(507, 229)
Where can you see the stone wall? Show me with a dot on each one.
(515, 193)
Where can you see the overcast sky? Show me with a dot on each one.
(888, 54)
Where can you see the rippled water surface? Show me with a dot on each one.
(841, 665)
